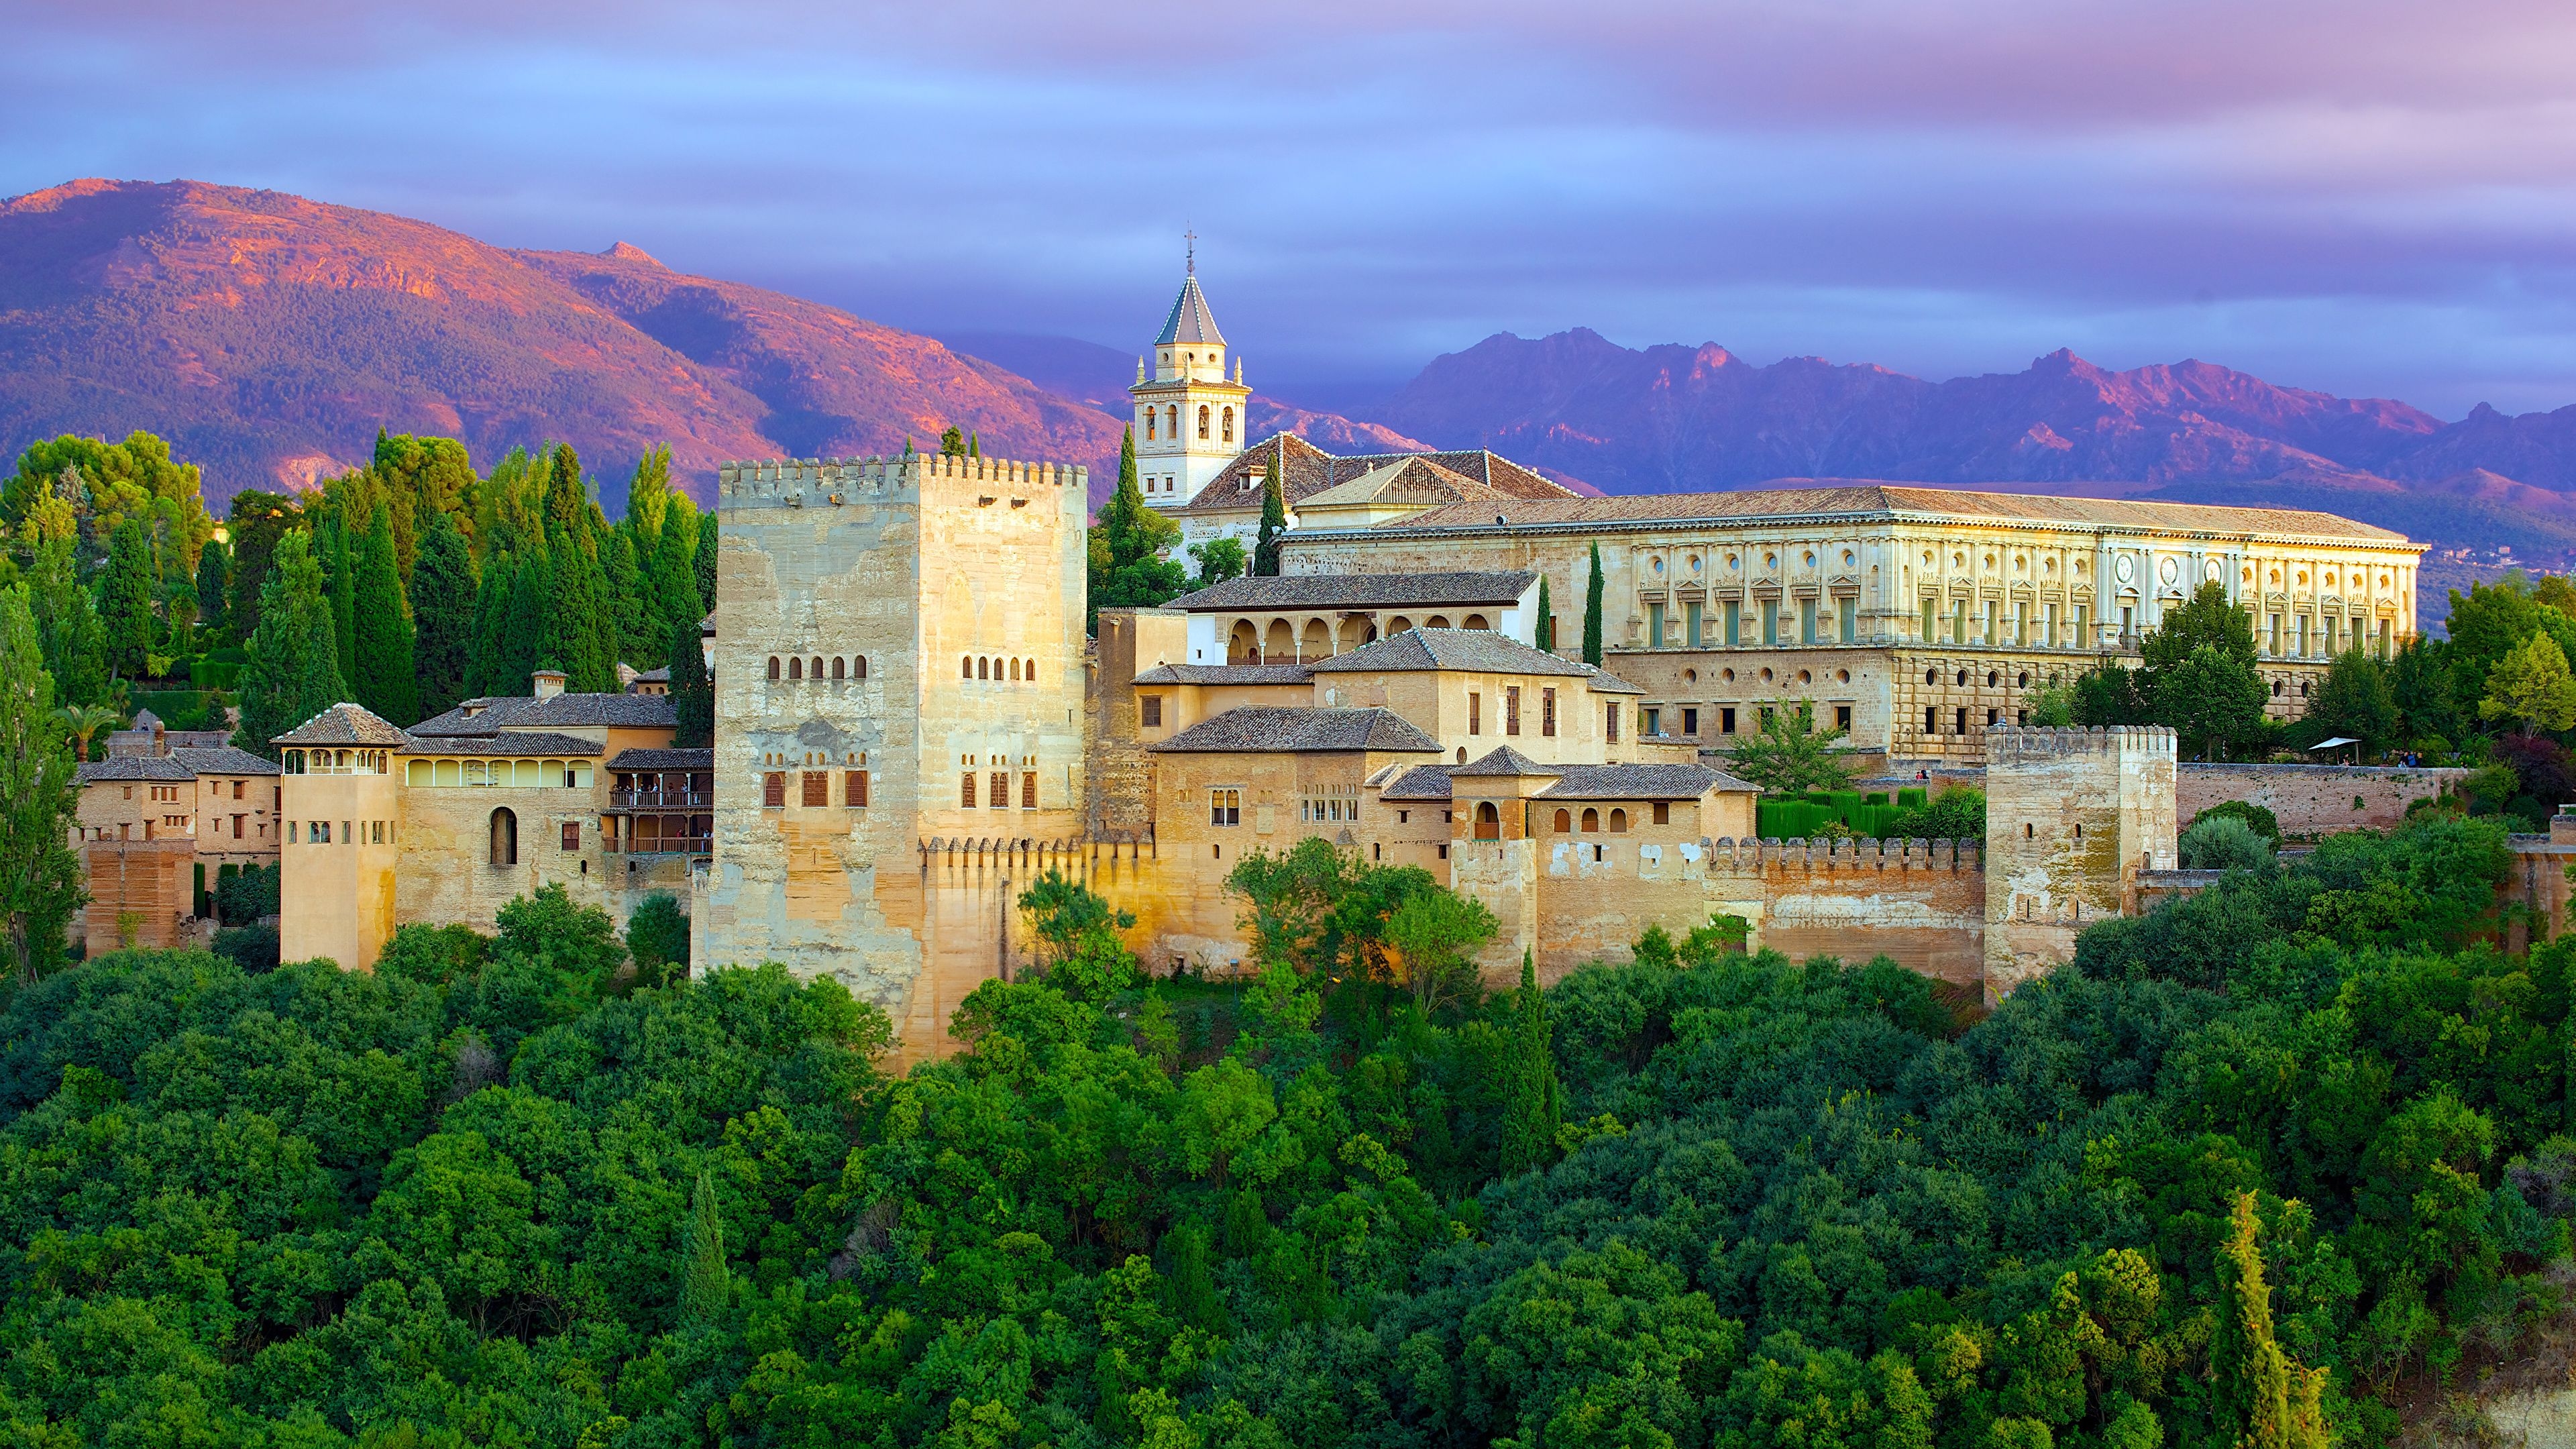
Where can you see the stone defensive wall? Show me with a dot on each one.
(2316, 799)
(796, 482)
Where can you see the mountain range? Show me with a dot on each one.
(269, 336)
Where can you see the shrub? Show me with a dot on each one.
(252, 948)
(242, 898)
(2224, 842)
(2264, 822)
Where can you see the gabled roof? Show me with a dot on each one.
(664, 760)
(1606, 683)
(1862, 499)
(117, 769)
(1479, 651)
(1190, 320)
(345, 724)
(1505, 761)
(1641, 782)
(495, 714)
(1306, 470)
(1226, 674)
(1462, 589)
(1285, 729)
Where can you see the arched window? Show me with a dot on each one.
(505, 837)
(1489, 822)
(1152, 418)
(1618, 822)
(818, 667)
(983, 669)
(1931, 676)
(839, 664)
(1474, 621)
(1564, 823)
(1229, 425)
(1172, 421)
(773, 666)
(795, 669)
(1015, 671)
(1203, 422)
(1436, 621)
(859, 667)
(965, 667)
(1591, 820)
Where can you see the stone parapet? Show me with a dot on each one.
(824, 482)
(2028, 744)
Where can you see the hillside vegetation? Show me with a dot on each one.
(2250, 1169)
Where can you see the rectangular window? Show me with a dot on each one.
(854, 788)
(773, 790)
(1690, 723)
(1963, 719)
(2303, 636)
(1731, 630)
(1511, 709)
(1663, 812)
(1807, 621)
(1771, 622)
(2021, 624)
(320, 834)
(2383, 638)
(1931, 719)
(2048, 614)
(237, 788)
(1958, 621)
(1225, 807)
(1842, 718)
(2083, 626)
(1652, 723)
(1994, 621)
(1654, 626)
(1931, 619)
(816, 788)
(572, 835)
(1726, 720)
(1691, 626)
(966, 790)
(1001, 795)
(1475, 713)
(1152, 705)
(2272, 641)
(1847, 619)
(1547, 713)
(376, 833)
(1610, 716)
(2128, 622)
(1029, 790)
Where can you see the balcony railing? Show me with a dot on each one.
(641, 799)
(698, 845)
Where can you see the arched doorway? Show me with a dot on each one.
(1243, 644)
(1489, 822)
(505, 837)
(1317, 644)
(1278, 646)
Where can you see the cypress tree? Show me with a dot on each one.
(1530, 1106)
(67, 626)
(704, 563)
(1592, 610)
(341, 578)
(294, 669)
(1274, 520)
(648, 499)
(672, 578)
(2274, 1398)
(213, 575)
(1546, 633)
(385, 683)
(125, 600)
(974, 445)
(523, 640)
(446, 617)
(40, 877)
(639, 646)
(565, 497)
(706, 1286)
(483, 667)
(693, 694)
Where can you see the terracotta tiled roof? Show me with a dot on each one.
(222, 760)
(510, 742)
(1287, 729)
(1505, 761)
(1641, 782)
(664, 760)
(495, 714)
(1866, 499)
(1358, 591)
(1306, 470)
(345, 724)
(1422, 782)
(1226, 674)
(118, 769)
(1479, 651)
(1606, 683)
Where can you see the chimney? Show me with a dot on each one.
(549, 682)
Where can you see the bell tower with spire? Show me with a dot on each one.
(1189, 414)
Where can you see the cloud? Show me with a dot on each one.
(2368, 197)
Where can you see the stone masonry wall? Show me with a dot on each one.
(2072, 815)
(2315, 799)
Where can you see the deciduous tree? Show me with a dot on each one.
(1788, 754)
(40, 877)
(2531, 687)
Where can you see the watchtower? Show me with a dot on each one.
(2072, 816)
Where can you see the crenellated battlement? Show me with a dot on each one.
(825, 482)
(2011, 744)
(1823, 854)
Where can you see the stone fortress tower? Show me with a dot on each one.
(1189, 417)
(2072, 817)
(900, 660)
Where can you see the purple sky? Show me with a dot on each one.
(2365, 197)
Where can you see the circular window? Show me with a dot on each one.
(1927, 555)
(1659, 565)
(1766, 676)
(1690, 676)
(2218, 570)
(1727, 674)
(2022, 680)
(1963, 676)
(1990, 560)
(1694, 563)
(1958, 560)
(1993, 679)
(1811, 558)
(1850, 558)
(2020, 563)
(1770, 560)
(2171, 571)
(1805, 678)
(1734, 562)
(2048, 565)
(1842, 676)
(1931, 676)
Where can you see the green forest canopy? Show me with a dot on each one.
(2247, 1167)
